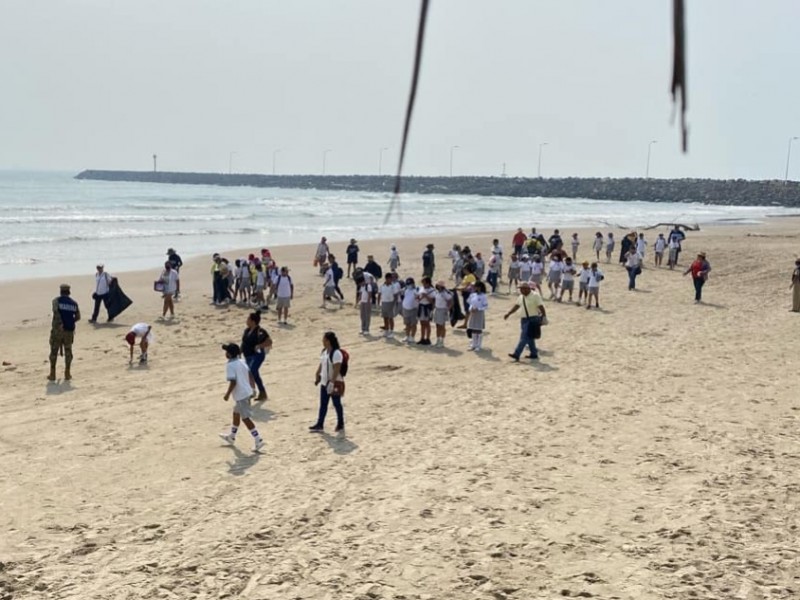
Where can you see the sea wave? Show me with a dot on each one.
(117, 235)
(124, 219)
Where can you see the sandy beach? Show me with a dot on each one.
(652, 452)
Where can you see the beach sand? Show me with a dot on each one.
(652, 452)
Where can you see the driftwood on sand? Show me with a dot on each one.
(683, 226)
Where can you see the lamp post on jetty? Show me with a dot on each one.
(274, 156)
(155, 163)
(452, 149)
(788, 157)
(649, 148)
(230, 162)
(380, 161)
(324, 160)
(539, 167)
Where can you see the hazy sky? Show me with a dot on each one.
(106, 83)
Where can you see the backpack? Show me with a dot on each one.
(338, 273)
(345, 362)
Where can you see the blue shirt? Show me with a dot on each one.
(67, 311)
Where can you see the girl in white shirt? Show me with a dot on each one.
(597, 246)
(364, 305)
(513, 272)
(443, 302)
(425, 296)
(593, 285)
(478, 303)
(575, 243)
(525, 268)
(537, 273)
(394, 259)
(567, 279)
(583, 281)
(554, 275)
(659, 246)
(410, 310)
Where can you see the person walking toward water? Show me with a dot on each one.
(641, 246)
(610, 243)
(145, 333)
(238, 377)
(352, 256)
(699, 270)
(62, 331)
(256, 344)
(575, 244)
(101, 292)
(513, 272)
(532, 318)
(170, 280)
(330, 379)
(597, 245)
(394, 258)
(795, 286)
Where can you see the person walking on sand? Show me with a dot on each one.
(610, 243)
(321, 255)
(428, 261)
(102, 288)
(329, 287)
(394, 258)
(62, 331)
(699, 270)
(256, 344)
(518, 241)
(575, 244)
(176, 262)
(284, 292)
(658, 249)
(533, 317)
(597, 245)
(641, 246)
(583, 282)
(352, 256)
(476, 322)
(238, 377)
(593, 286)
(633, 264)
(567, 279)
(330, 379)
(143, 331)
(443, 302)
(795, 286)
(364, 304)
(513, 271)
(497, 254)
(170, 280)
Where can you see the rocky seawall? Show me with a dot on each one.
(738, 192)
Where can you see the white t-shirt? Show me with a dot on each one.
(575, 243)
(569, 272)
(328, 282)
(410, 301)
(583, 276)
(237, 371)
(261, 278)
(284, 284)
(537, 268)
(244, 272)
(594, 278)
(556, 266)
(326, 366)
(442, 299)
(633, 260)
(660, 244)
(103, 280)
(598, 243)
(170, 279)
(498, 251)
(387, 293)
(140, 329)
(477, 302)
(426, 295)
(364, 296)
(674, 244)
(641, 244)
(525, 270)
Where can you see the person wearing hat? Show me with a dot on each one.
(102, 288)
(699, 270)
(795, 286)
(240, 387)
(428, 261)
(352, 256)
(532, 306)
(62, 331)
(143, 331)
(176, 263)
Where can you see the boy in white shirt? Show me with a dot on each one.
(593, 286)
(443, 302)
(567, 279)
(659, 247)
(239, 386)
(583, 282)
(387, 303)
(329, 288)
(284, 292)
(525, 268)
(641, 246)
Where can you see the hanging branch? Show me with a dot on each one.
(423, 16)
(679, 65)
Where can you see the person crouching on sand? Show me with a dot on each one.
(145, 333)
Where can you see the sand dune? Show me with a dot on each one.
(652, 452)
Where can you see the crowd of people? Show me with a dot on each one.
(408, 309)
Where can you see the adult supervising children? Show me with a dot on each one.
(330, 379)
(533, 315)
(699, 270)
(256, 344)
(102, 288)
(62, 331)
(238, 376)
(169, 279)
(352, 256)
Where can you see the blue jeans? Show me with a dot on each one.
(254, 363)
(491, 278)
(698, 288)
(524, 340)
(100, 299)
(323, 407)
(632, 273)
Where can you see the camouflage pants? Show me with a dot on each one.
(59, 339)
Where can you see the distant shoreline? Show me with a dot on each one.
(704, 191)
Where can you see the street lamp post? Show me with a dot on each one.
(452, 149)
(230, 162)
(380, 161)
(274, 158)
(649, 148)
(788, 157)
(155, 163)
(324, 160)
(539, 167)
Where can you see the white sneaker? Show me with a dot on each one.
(226, 437)
(259, 445)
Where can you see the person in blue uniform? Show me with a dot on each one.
(62, 333)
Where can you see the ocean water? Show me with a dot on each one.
(54, 225)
